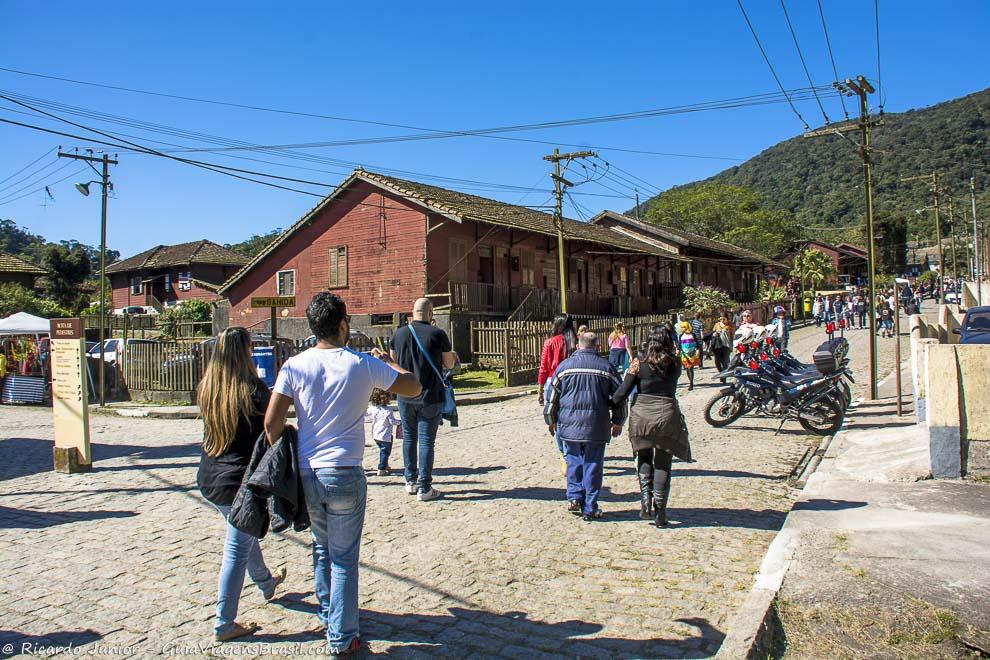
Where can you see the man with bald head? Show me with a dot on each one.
(421, 414)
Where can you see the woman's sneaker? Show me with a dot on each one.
(410, 489)
(428, 495)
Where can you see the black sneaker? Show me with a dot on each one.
(594, 515)
(574, 507)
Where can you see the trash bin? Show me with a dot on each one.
(264, 361)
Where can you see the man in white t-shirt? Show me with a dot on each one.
(330, 386)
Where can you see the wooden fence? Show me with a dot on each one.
(514, 347)
(161, 366)
(130, 322)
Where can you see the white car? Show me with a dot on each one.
(111, 347)
(133, 310)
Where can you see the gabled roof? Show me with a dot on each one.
(10, 263)
(458, 207)
(852, 250)
(683, 238)
(183, 254)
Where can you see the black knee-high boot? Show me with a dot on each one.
(646, 490)
(661, 491)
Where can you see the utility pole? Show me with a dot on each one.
(955, 262)
(637, 203)
(938, 228)
(977, 266)
(84, 189)
(559, 182)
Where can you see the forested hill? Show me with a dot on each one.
(819, 180)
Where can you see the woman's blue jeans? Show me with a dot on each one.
(336, 499)
(240, 552)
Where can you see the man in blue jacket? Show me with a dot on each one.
(579, 408)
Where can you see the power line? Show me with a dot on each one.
(438, 133)
(68, 176)
(767, 60)
(27, 166)
(835, 71)
(801, 57)
(30, 175)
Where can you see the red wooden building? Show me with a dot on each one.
(381, 242)
(168, 274)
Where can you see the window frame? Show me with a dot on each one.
(279, 291)
(136, 289)
(333, 270)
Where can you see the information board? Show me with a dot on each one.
(70, 400)
(272, 301)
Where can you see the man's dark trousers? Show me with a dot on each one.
(585, 465)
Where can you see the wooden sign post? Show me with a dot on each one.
(273, 303)
(70, 402)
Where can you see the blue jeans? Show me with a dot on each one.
(419, 435)
(585, 464)
(384, 451)
(336, 499)
(240, 552)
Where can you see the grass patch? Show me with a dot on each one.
(478, 379)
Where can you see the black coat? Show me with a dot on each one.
(271, 493)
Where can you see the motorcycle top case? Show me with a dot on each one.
(826, 361)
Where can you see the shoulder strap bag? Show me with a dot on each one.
(449, 406)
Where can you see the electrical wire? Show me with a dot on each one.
(804, 65)
(633, 176)
(436, 133)
(27, 166)
(835, 71)
(30, 175)
(28, 194)
(767, 60)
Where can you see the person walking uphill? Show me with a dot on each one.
(579, 409)
(657, 430)
(330, 386)
(422, 349)
(232, 400)
(619, 347)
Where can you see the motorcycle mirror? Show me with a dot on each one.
(763, 357)
(754, 345)
(776, 352)
(752, 364)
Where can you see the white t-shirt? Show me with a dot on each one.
(330, 389)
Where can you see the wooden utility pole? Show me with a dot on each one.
(84, 189)
(861, 88)
(952, 243)
(559, 182)
(938, 228)
(977, 265)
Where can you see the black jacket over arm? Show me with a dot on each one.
(271, 494)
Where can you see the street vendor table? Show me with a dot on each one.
(23, 389)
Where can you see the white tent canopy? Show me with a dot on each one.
(23, 323)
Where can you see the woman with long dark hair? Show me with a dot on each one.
(657, 430)
(232, 400)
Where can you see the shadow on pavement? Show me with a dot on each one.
(29, 519)
(20, 457)
(826, 505)
(462, 632)
(762, 519)
(541, 493)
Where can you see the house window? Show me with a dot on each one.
(623, 281)
(136, 286)
(550, 274)
(185, 281)
(285, 283)
(599, 278)
(581, 269)
(527, 267)
(338, 267)
(457, 254)
(637, 282)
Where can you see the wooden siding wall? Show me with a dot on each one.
(380, 279)
(215, 274)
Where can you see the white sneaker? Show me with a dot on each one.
(410, 489)
(431, 494)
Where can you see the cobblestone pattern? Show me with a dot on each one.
(128, 554)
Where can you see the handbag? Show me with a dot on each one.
(449, 406)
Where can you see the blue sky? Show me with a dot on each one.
(444, 65)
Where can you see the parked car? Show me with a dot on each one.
(359, 341)
(975, 328)
(111, 347)
(133, 310)
(176, 368)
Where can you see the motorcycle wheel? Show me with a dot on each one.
(830, 415)
(724, 408)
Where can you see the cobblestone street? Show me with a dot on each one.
(128, 554)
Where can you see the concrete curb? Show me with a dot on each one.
(475, 400)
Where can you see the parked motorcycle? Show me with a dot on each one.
(767, 380)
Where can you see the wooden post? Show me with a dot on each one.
(506, 351)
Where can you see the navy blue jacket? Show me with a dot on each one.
(579, 400)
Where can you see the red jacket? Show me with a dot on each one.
(554, 352)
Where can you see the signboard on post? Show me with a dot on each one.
(264, 302)
(70, 400)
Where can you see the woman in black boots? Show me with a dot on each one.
(657, 429)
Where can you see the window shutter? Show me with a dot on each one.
(338, 266)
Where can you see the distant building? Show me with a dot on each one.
(849, 261)
(168, 274)
(17, 270)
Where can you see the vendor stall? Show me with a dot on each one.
(24, 357)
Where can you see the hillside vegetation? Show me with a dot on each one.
(819, 182)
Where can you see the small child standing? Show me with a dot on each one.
(690, 353)
(382, 420)
(830, 330)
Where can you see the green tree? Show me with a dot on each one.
(707, 299)
(16, 298)
(67, 269)
(890, 240)
(812, 267)
(732, 214)
(19, 241)
(252, 246)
